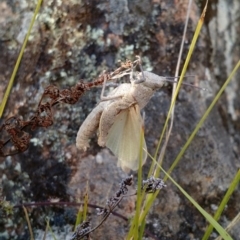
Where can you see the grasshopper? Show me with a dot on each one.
(118, 120)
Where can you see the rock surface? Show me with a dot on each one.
(74, 40)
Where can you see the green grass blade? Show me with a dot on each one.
(28, 222)
(51, 231)
(150, 198)
(203, 118)
(79, 218)
(192, 45)
(10, 84)
(139, 189)
(213, 222)
(148, 203)
(82, 210)
(85, 206)
(46, 228)
(230, 226)
(224, 202)
(134, 230)
(208, 217)
(141, 229)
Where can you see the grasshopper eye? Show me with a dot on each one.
(137, 78)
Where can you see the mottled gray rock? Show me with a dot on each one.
(75, 40)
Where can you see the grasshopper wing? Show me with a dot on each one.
(124, 138)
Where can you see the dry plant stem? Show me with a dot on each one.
(68, 204)
(105, 216)
(150, 185)
(160, 158)
(231, 225)
(13, 127)
(45, 232)
(112, 203)
(28, 222)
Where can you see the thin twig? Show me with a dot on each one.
(14, 127)
(160, 158)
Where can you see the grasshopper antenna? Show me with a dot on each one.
(167, 79)
(186, 84)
